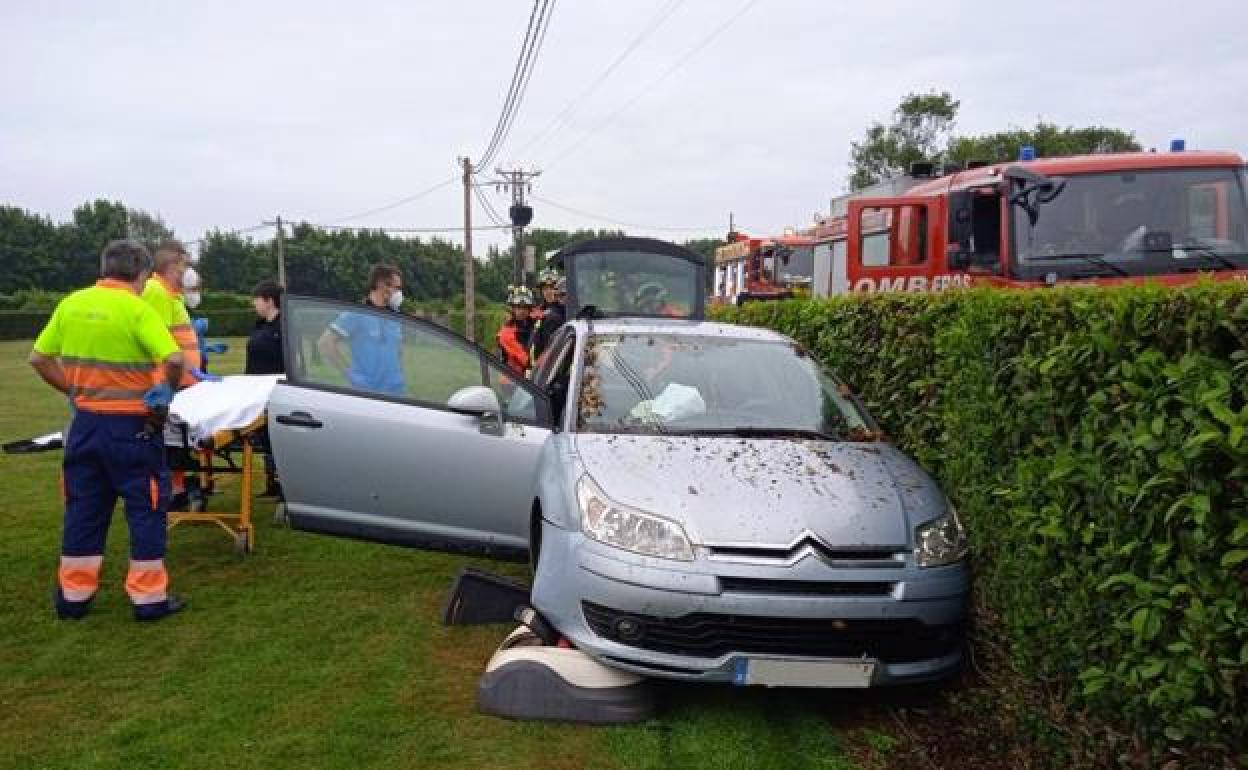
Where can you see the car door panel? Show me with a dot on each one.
(403, 468)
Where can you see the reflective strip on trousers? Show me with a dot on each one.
(147, 581)
(79, 577)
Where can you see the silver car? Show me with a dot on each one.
(699, 501)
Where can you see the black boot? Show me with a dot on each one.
(156, 611)
(67, 610)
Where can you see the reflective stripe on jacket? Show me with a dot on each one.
(110, 344)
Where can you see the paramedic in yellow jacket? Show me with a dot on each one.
(164, 292)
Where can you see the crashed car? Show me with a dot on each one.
(698, 500)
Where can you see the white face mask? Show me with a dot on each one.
(190, 279)
(395, 300)
(192, 298)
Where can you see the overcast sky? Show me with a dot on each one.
(224, 114)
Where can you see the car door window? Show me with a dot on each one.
(371, 352)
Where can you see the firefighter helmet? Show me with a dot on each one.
(520, 296)
(548, 277)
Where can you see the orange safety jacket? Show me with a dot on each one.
(514, 350)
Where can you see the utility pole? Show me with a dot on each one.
(281, 251)
(518, 182)
(281, 254)
(470, 288)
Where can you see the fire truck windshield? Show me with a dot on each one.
(1129, 223)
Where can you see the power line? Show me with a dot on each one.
(617, 222)
(365, 228)
(534, 36)
(400, 202)
(692, 52)
(489, 208)
(228, 233)
(664, 13)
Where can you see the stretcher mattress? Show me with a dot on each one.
(208, 409)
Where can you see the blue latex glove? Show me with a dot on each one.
(216, 348)
(200, 325)
(203, 376)
(159, 397)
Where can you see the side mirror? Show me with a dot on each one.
(482, 402)
(475, 399)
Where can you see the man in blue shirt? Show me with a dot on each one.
(376, 343)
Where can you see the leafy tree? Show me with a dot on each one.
(150, 229)
(1048, 139)
(919, 129)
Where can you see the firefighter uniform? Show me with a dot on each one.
(111, 346)
(514, 337)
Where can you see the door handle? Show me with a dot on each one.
(299, 420)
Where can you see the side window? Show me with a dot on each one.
(1202, 211)
(373, 352)
(893, 236)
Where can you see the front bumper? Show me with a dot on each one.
(680, 621)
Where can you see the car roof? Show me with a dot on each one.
(677, 328)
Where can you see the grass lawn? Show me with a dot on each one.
(316, 652)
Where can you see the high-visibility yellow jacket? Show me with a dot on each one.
(167, 301)
(110, 344)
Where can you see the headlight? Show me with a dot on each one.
(609, 522)
(940, 541)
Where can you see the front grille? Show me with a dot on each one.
(710, 635)
(739, 585)
(883, 558)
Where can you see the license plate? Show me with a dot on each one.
(769, 672)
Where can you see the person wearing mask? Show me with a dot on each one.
(375, 342)
(113, 356)
(550, 316)
(172, 275)
(266, 355)
(515, 335)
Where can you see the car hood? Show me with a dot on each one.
(767, 492)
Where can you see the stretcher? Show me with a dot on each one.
(208, 424)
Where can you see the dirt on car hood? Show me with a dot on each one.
(767, 492)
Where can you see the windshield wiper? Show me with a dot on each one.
(1206, 252)
(750, 431)
(1091, 257)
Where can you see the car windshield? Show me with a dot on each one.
(692, 385)
(1137, 223)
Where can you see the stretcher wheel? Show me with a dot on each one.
(242, 543)
(280, 517)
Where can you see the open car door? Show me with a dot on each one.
(393, 429)
(633, 277)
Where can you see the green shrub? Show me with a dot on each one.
(1094, 441)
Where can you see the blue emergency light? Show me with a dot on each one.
(1178, 145)
(1027, 152)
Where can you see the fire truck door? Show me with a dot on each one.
(893, 243)
(831, 269)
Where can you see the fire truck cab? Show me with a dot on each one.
(1111, 218)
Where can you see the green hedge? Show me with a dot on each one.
(20, 325)
(1094, 442)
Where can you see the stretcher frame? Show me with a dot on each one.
(237, 524)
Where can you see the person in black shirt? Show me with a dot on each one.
(264, 347)
(551, 314)
(265, 356)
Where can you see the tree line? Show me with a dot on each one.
(43, 256)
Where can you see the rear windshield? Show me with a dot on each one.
(673, 384)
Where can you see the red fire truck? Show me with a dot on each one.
(748, 268)
(1113, 218)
